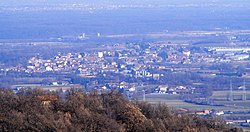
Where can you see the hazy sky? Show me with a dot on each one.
(25, 24)
(154, 2)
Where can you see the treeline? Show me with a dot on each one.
(35, 110)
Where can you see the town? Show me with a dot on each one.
(177, 73)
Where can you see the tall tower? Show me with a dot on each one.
(231, 91)
(5, 72)
(244, 96)
(143, 96)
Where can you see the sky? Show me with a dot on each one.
(154, 2)
(29, 24)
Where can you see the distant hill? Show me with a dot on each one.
(41, 111)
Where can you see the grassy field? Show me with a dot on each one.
(223, 95)
(174, 101)
(237, 103)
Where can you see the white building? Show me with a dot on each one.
(100, 54)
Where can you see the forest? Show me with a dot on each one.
(75, 110)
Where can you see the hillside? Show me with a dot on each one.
(40, 111)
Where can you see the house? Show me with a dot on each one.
(204, 112)
(156, 76)
(124, 84)
(163, 88)
(219, 113)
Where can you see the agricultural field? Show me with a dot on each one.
(174, 101)
(223, 95)
(239, 104)
(222, 98)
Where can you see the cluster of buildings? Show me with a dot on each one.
(69, 62)
(136, 60)
(127, 62)
(147, 61)
(229, 54)
(174, 89)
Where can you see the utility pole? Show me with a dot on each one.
(144, 96)
(244, 96)
(5, 72)
(231, 91)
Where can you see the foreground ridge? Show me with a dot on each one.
(36, 110)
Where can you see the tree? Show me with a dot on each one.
(102, 111)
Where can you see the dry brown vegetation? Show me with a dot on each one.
(108, 111)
